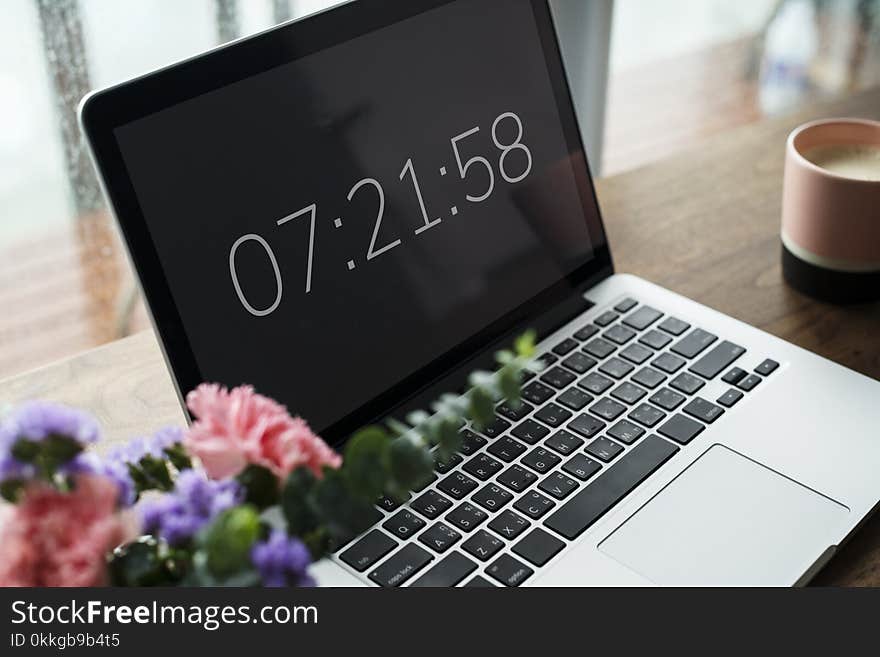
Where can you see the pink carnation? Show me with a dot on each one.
(237, 427)
(62, 539)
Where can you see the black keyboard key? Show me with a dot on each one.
(626, 305)
(599, 347)
(647, 415)
(606, 318)
(509, 524)
(471, 442)
(593, 501)
(457, 485)
(565, 347)
(649, 377)
(669, 363)
(687, 383)
(626, 432)
(530, 431)
(681, 429)
(409, 560)
(595, 383)
(574, 398)
(749, 382)
(619, 334)
(636, 353)
(628, 392)
(767, 367)
(693, 343)
(604, 449)
(643, 318)
(586, 332)
(466, 517)
(482, 545)
(667, 399)
(674, 325)
(495, 428)
(537, 393)
(425, 483)
(558, 485)
(558, 377)
(716, 359)
(616, 367)
(431, 504)
(564, 442)
(368, 550)
(403, 524)
(479, 582)
(534, 505)
(491, 497)
(449, 571)
(443, 467)
(439, 537)
(509, 571)
(482, 466)
(586, 425)
(607, 408)
(733, 376)
(580, 363)
(507, 449)
(541, 460)
(538, 547)
(730, 397)
(517, 478)
(703, 410)
(581, 467)
(655, 339)
(388, 503)
(553, 415)
(514, 413)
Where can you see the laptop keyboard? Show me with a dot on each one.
(615, 402)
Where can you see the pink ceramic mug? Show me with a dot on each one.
(831, 210)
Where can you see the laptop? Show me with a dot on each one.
(353, 211)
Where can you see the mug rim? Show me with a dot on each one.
(809, 125)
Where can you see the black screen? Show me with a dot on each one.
(332, 225)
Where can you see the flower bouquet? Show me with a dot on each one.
(248, 495)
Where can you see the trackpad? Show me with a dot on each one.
(727, 520)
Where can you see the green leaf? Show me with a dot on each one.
(25, 450)
(228, 540)
(58, 449)
(482, 409)
(397, 427)
(156, 474)
(524, 345)
(11, 489)
(343, 513)
(178, 457)
(261, 486)
(147, 562)
(367, 462)
(297, 502)
(449, 438)
(508, 382)
(412, 463)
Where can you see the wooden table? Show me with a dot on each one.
(704, 223)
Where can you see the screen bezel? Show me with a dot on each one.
(102, 112)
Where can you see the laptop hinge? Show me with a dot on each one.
(456, 380)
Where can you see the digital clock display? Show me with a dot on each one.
(331, 225)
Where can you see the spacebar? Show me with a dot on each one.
(608, 489)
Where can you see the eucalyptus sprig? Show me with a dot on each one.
(396, 457)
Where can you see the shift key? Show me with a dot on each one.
(711, 365)
(593, 501)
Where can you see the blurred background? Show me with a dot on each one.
(650, 79)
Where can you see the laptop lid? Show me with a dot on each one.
(343, 209)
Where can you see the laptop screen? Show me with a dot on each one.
(334, 224)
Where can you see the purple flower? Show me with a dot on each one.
(195, 501)
(155, 445)
(282, 561)
(35, 421)
(117, 471)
